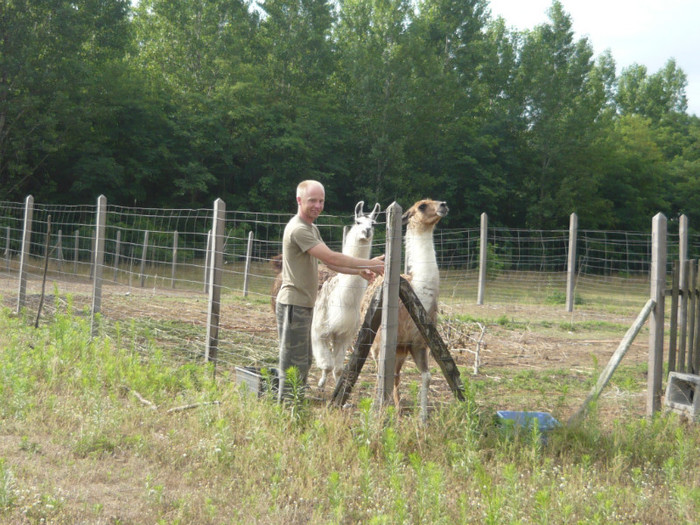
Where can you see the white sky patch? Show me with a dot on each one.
(646, 32)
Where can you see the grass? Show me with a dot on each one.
(87, 438)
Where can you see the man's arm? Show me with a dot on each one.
(345, 263)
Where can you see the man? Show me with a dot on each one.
(302, 248)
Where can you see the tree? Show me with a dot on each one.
(49, 49)
(653, 96)
(563, 99)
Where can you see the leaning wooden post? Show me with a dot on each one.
(361, 348)
(172, 275)
(99, 260)
(482, 258)
(430, 333)
(615, 360)
(117, 250)
(217, 262)
(390, 300)
(247, 264)
(656, 324)
(571, 269)
(7, 248)
(24, 251)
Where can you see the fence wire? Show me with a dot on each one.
(156, 271)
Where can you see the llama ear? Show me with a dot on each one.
(375, 211)
(358, 209)
(404, 218)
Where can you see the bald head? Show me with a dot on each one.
(305, 186)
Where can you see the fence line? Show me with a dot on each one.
(486, 265)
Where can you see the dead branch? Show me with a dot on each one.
(193, 405)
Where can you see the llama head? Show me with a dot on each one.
(363, 229)
(424, 215)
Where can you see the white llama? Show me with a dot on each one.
(424, 276)
(337, 318)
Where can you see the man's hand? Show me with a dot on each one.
(367, 275)
(377, 265)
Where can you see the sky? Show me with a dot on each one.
(645, 32)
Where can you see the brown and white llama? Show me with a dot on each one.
(423, 274)
(337, 319)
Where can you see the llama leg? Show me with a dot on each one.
(322, 381)
(425, 383)
(397, 396)
(401, 355)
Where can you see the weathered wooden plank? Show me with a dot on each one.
(430, 333)
(363, 343)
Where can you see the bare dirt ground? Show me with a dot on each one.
(530, 362)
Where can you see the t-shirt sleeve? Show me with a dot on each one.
(306, 238)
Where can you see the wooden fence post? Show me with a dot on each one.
(172, 275)
(682, 244)
(217, 262)
(390, 310)
(99, 260)
(692, 297)
(673, 321)
(483, 258)
(247, 264)
(694, 342)
(76, 252)
(144, 255)
(656, 324)
(24, 252)
(93, 247)
(59, 251)
(8, 257)
(117, 250)
(207, 259)
(571, 269)
(683, 322)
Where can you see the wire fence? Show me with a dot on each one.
(156, 271)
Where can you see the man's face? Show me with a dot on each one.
(311, 203)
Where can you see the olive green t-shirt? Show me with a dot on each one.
(299, 268)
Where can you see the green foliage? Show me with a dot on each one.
(366, 465)
(160, 103)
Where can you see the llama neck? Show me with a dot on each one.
(422, 265)
(353, 286)
(357, 249)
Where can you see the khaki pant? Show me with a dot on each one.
(294, 331)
